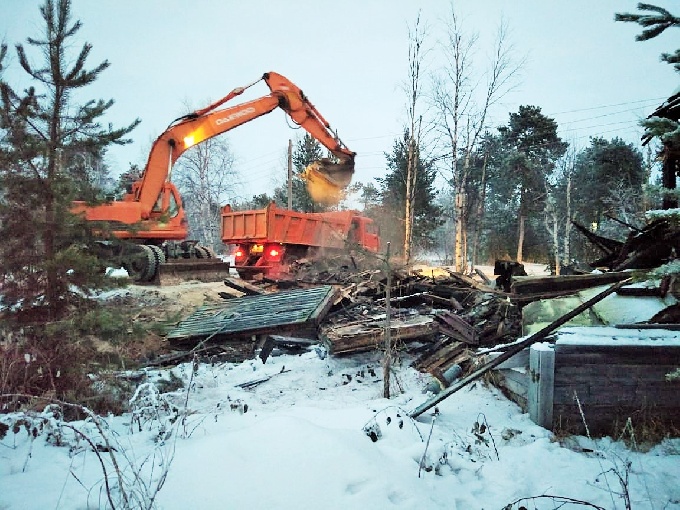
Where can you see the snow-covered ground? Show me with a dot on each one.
(301, 439)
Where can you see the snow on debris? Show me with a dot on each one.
(316, 433)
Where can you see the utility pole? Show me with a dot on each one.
(290, 174)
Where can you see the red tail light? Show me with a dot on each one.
(240, 254)
(273, 252)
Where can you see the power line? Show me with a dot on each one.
(610, 105)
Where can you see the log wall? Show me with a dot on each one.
(607, 383)
(614, 383)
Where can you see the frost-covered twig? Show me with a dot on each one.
(622, 478)
(558, 501)
(422, 459)
(124, 485)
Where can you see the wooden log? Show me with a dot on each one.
(247, 288)
(575, 282)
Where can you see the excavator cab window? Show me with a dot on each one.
(158, 206)
(173, 206)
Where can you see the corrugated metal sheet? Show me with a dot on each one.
(257, 314)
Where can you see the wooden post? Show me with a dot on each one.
(541, 384)
(387, 360)
(290, 174)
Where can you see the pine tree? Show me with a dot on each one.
(46, 250)
(654, 25)
(533, 145)
(663, 124)
(603, 173)
(427, 215)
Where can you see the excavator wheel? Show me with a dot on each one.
(141, 263)
(159, 257)
(202, 252)
(326, 181)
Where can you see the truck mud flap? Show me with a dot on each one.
(184, 270)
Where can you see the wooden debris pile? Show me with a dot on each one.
(649, 247)
(441, 319)
(437, 318)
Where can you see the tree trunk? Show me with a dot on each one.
(411, 166)
(520, 238)
(670, 162)
(566, 255)
(407, 219)
(556, 244)
(520, 227)
(479, 217)
(459, 250)
(52, 290)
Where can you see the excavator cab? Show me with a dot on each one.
(327, 180)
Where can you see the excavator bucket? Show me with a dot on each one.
(326, 181)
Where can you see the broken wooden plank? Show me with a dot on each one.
(573, 282)
(540, 335)
(259, 380)
(485, 279)
(440, 356)
(370, 334)
(457, 328)
(469, 281)
(247, 288)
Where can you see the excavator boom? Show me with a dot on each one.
(208, 122)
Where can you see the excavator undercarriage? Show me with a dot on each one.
(166, 264)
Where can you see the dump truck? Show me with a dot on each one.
(266, 241)
(147, 230)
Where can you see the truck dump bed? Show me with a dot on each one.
(274, 225)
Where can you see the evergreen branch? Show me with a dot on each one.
(658, 23)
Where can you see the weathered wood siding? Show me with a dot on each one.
(613, 383)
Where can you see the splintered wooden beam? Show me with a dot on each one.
(573, 283)
(247, 288)
(540, 335)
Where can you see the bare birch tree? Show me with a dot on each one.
(206, 177)
(416, 56)
(463, 98)
(558, 211)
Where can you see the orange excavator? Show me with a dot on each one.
(150, 224)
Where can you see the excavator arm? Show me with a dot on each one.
(208, 122)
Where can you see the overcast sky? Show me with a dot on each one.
(351, 60)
